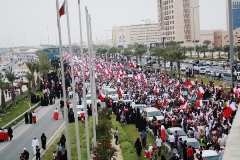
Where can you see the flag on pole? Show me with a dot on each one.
(62, 9)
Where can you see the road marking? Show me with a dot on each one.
(27, 127)
(54, 137)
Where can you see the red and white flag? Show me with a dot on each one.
(62, 9)
(184, 107)
(181, 99)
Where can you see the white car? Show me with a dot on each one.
(151, 112)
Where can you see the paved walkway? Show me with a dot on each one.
(231, 151)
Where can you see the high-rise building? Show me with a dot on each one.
(179, 20)
(141, 33)
(235, 14)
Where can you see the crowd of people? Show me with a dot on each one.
(203, 111)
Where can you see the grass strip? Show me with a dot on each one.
(83, 144)
(127, 137)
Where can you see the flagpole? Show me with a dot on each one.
(63, 83)
(92, 81)
(73, 85)
(93, 72)
(84, 86)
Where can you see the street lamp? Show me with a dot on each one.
(147, 20)
(194, 29)
(96, 38)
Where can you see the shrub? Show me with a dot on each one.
(104, 151)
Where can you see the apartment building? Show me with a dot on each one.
(179, 20)
(141, 33)
(235, 14)
(221, 38)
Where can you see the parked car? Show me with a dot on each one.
(179, 130)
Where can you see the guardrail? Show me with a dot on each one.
(20, 116)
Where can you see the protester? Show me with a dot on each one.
(43, 141)
(34, 144)
(138, 147)
(10, 133)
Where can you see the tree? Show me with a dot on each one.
(44, 64)
(3, 86)
(113, 51)
(127, 53)
(219, 50)
(226, 49)
(190, 49)
(212, 51)
(29, 78)
(203, 49)
(11, 78)
(178, 56)
(32, 68)
(160, 52)
(140, 50)
(206, 43)
(171, 44)
(102, 51)
(238, 51)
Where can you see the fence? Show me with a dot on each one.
(20, 116)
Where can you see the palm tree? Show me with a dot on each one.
(206, 43)
(226, 49)
(160, 52)
(178, 56)
(127, 53)
(11, 78)
(44, 65)
(113, 51)
(238, 51)
(190, 49)
(32, 68)
(203, 49)
(140, 50)
(29, 78)
(212, 51)
(37, 70)
(3, 86)
(219, 50)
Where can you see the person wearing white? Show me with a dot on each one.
(150, 148)
(34, 144)
(171, 139)
(159, 144)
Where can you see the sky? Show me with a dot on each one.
(31, 22)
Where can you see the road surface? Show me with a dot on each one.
(24, 133)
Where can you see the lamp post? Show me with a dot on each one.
(147, 20)
(194, 36)
(230, 23)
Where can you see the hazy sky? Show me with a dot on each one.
(36, 19)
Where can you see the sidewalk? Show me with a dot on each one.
(119, 155)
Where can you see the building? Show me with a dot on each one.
(142, 34)
(207, 35)
(52, 52)
(221, 38)
(235, 14)
(179, 20)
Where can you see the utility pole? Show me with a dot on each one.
(230, 20)
(147, 20)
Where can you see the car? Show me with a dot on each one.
(114, 98)
(21, 73)
(208, 155)
(140, 107)
(192, 142)
(150, 112)
(80, 111)
(179, 130)
(126, 101)
(111, 91)
(88, 97)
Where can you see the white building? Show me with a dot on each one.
(142, 34)
(179, 20)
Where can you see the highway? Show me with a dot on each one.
(24, 133)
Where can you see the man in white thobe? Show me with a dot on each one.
(34, 144)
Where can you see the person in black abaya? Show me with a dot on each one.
(30, 117)
(71, 116)
(43, 140)
(26, 118)
(138, 147)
